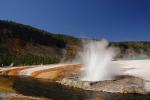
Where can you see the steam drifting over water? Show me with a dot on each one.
(97, 60)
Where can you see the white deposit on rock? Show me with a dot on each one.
(124, 84)
(136, 79)
(74, 83)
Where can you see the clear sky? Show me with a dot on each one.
(115, 20)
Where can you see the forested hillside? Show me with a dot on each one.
(25, 45)
(22, 45)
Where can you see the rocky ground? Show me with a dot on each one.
(123, 84)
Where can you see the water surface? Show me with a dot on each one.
(49, 89)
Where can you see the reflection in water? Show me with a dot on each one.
(45, 88)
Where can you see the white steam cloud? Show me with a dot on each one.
(96, 58)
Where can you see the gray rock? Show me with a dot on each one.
(122, 84)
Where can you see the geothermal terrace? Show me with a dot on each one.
(135, 68)
(138, 68)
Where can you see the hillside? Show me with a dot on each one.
(25, 45)
(133, 50)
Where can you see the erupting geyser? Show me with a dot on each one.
(97, 59)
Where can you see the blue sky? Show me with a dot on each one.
(115, 20)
